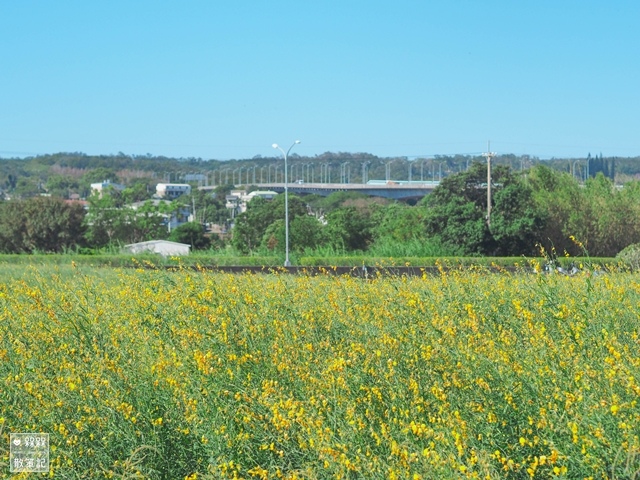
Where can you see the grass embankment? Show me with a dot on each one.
(175, 374)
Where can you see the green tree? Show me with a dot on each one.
(602, 218)
(12, 227)
(209, 208)
(349, 228)
(515, 220)
(148, 221)
(398, 222)
(305, 232)
(250, 226)
(457, 209)
(106, 221)
(191, 233)
(44, 224)
(61, 185)
(561, 199)
(621, 227)
(100, 174)
(136, 192)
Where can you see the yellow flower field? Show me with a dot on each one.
(189, 374)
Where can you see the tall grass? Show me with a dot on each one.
(416, 247)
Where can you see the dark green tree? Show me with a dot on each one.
(516, 222)
(109, 222)
(398, 222)
(599, 164)
(138, 191)
(100, 174)
(148, 221)
(250, 226)
(457, 213)
(305, 232)
(349, 228)
(106, 221)
(191, 233)
(564, 207)
(601, 218)
(61, 186)
(40, 224)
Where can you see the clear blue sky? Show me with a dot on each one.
(226, 79)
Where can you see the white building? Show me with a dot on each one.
(102, 186)
(162, 247)
(172, 190)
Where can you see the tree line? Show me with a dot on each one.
(542, 208)
(538, 207)
(53, 225)
(68, 175)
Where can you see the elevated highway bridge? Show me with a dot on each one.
(400, 190)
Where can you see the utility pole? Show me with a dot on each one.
(489, 156)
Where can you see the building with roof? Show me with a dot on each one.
(172, 190)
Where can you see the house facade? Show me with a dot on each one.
(172, 190)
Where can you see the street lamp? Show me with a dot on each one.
(364, 172)
(325, 173)
(345, 172)
(410, 169)
(287, 263)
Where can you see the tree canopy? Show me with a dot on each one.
(457, 213)
(41, 224)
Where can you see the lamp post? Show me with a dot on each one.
(345, 172)
(388, 170)
(364, 172)
(325, 173)
(287, 263)
(410, 174)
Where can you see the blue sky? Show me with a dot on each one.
(226, 79)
